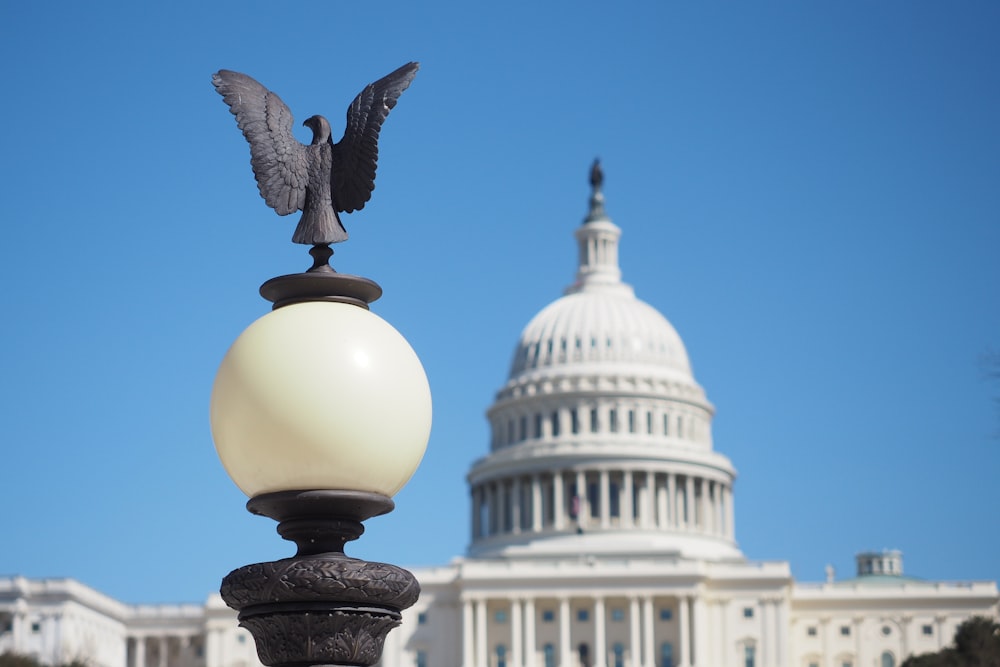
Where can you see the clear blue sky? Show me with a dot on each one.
(810, 192)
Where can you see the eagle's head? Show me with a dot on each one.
(320, 127)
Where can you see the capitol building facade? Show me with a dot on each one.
(602, 534)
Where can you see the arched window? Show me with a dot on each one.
(888, 660)
(619, 653)
(749, 655)
(421, 658)
(549, 651)
(584, 652)
(501, 656)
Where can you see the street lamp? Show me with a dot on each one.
(321, 410)
(320, 413)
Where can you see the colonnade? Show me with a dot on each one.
(624, 417)
(659, 629)
(602, 499)
(141, 647)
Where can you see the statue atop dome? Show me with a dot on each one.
(596, 174)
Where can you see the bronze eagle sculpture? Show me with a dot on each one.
(324, 178)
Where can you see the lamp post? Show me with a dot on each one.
(320, 413)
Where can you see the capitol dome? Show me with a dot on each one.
(601, 428)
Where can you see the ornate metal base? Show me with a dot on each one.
(319, 607)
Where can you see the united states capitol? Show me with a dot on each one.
(602, 534)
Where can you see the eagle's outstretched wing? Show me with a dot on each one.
(356, 155)
(278, 159)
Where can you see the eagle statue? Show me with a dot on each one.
(324, 178)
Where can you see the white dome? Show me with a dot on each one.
(597, 325)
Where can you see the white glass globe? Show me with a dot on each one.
(320, 395)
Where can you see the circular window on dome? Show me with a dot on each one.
(886, 630)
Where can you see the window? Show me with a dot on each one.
(549, 651)
(813, 664)
(811, 631)
(614, 504)
(886, 630)
(618, 614)
(631, 421)
(666, 614)
(666, 424)
(538, 426)
(501, 655)
(619, 653)
(666, 654)
(888, 660)
(845, 631)
(555, 424)
(421, 658)
(747, 612)
(927, 630)
(649, 423)
(594, 421)
(574, 421)
(613, 420)
(548, 616)
(242, 639)
(847, 663)
(749, 656)
(523, 434)
(37, 627)
(500, 616)
(582, 615)
(422, 618)
(584, 652)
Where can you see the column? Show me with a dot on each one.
(703, 513)
(726, 652)
(689, 521)
(648, 499)
(565, 652)
(140, 649)
(634, 647)
(468, 649)
(530, 649)
(904, 631)
(627, 511)
(536, 503)
(684, 650)
(501, 487)
(699, 627)
(781, 632)
(164, 654)
(481, 655)
(600, 634)
(558, 501)
(766, 634)
(476, 513)
(583, 508)
(515, 522)
(730, 525)
(604, 498)
(515, 633)
(492, 515)
(647, 632)
(824, 639)
(661, 505)
(859, 645)
(672, 497)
